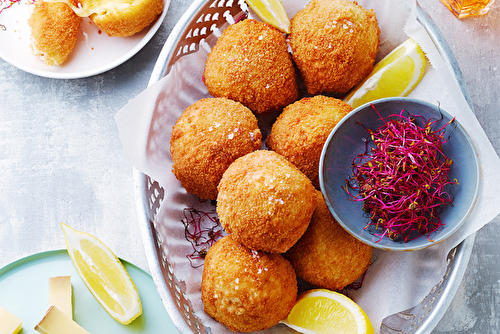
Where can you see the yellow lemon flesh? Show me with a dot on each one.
(104, 275)
(397, 74)
(272, 12)
(323, 311)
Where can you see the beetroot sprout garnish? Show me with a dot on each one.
(6, 4)
(202, 229)
(402, 177)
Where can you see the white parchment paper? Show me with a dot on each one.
(396, 281)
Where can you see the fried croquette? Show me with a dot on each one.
(208, 136)
(250, 63)
(301, 130)
(122, 18)
(326, 255)
(334, 44)
(246, 290)
(54, 31)
(265, 202)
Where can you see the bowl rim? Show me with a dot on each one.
(401, 246)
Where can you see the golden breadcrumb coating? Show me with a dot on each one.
(265, 202)
(122, 18)
(208, 136)
(326, 255)
(54, 31)
(250, 63)
(301, 130)
(247, 290)
(334, 44)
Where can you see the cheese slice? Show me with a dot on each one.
(9, 323)
(56, 322)
(60, 294)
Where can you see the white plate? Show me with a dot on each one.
(94, 52)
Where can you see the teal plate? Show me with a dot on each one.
(24, 292)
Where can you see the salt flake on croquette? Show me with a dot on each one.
(244, 289)
(250, 64)
(265, 202)
(334, 44)
(203, 143)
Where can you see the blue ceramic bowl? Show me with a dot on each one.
(347, 140)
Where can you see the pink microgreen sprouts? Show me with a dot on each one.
(402, 178)
(202, 229)
(6, 4)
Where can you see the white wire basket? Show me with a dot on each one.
(202, 18)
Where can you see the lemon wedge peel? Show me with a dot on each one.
(104, 275)
(396, 75)
(272, 12)
(321, 311)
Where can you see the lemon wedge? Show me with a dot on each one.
(104, 275)
(323, 311)
(397, 74)
(272, 12)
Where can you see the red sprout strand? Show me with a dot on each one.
(401, 179)
(6, 4)
(202, 230)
